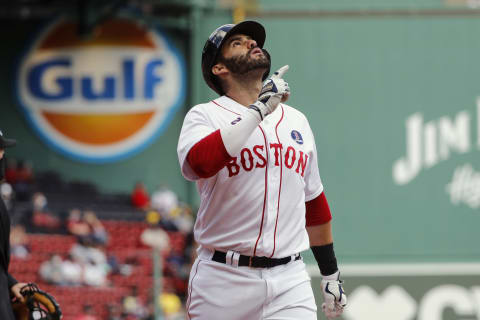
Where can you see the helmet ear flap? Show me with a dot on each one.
(209, 56)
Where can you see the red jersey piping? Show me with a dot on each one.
(238, 114)
(265, 194)
(280, 187)
(190, 292)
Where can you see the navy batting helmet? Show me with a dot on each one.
(212, 47)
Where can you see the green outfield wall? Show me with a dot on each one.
(393, 103)
(392, 95)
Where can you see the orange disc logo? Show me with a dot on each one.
(104, 98)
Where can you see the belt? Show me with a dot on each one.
(255, 262)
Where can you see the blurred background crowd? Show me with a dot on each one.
(85, 247)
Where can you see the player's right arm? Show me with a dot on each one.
(196, 127)
(274, 90)
(208, 155)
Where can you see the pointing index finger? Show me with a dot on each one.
(280, 72)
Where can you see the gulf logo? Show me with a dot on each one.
(104, 98)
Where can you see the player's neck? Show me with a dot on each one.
(244, 92)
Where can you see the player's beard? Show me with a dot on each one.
(243, 64)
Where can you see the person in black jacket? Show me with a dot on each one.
(9, 287)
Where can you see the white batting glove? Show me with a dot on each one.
(274, 90)
(333, 295)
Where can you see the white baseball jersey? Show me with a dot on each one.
(255, 205)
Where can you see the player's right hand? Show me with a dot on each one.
(274, 90)
(333, 296)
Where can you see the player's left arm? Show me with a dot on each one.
(319, 228)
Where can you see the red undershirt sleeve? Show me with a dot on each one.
(208, 156)
(317, 211)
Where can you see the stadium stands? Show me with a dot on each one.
(124, 226)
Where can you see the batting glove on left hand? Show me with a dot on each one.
(333, 296)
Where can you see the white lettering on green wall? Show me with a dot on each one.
(465, 186)
(429, 143)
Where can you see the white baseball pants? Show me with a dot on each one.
(220, 291)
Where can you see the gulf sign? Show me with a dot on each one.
(103, 98)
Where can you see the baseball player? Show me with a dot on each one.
(262, 202)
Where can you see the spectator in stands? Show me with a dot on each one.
(19, 242)
(86, 254)
(97, 233)
(43, 219)
(72, 272)
(61, 272)
(133, 304)
(51, 270)
(115, 267)
(164, 200)
(178, 219)
(93, 262)
(140, 198)
(155, 219)
(88, 229)
(76, 269)
(165, 203)
(152, 217)
(95, 274)
(11, 171)
(23, 181)
(87, 314)
(182, 218)
(77, 226)
(115, 312)
(175, 263)
(7, 195)
(171, 305)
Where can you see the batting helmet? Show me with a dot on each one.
(212, 47)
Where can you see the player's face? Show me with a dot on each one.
(240, 54)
